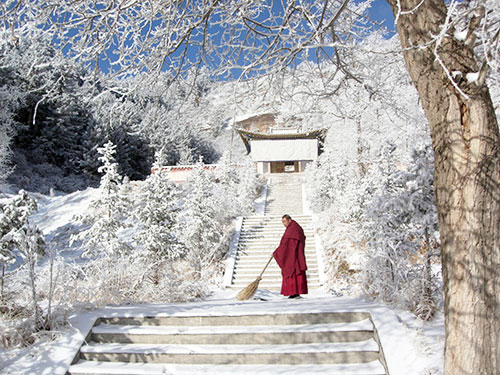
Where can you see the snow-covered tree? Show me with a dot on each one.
(227, 178)
(105, 212)
(45, 93)
(401, 226)
(14, 215)
(248, 187)
(31, 245)
(158, 217)
(17, 233)
(448, 48)
(201, 230)
(10, 101)
(337, 194)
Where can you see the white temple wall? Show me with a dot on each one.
(263, 167)
(267, 150)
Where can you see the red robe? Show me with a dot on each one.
(291, 258)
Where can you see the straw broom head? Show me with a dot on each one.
(249, 290)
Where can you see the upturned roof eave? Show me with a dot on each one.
(246, 136)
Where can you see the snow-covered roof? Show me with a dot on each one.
(246, 136)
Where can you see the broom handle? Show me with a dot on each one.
(264, 270)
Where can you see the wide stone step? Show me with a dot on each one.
(266, 244)
(263, 258)
(273, 227)
(237, 335)
(253, 262)
(273, 283)
(272, 232)
(274, 287)
(125, 368)
(255, 271)
(271, 277)
(267, 250)
(245, 264)
(270, 236)
(272, 239)
(281, 210)
(292, 207)
(273, 273)
(242, 269)
(276, 226)
(256, 262)
(276, 222)
(263, 246)
(322, 353)
(247, 320)
(274, 280)
(251, 265)
(276, 219)
(248, 278)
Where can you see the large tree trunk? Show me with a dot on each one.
(467, 186)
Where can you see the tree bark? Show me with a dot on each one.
(2, 280)
(361, 163)
(466, 145)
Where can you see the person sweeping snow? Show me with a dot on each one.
(291, 258)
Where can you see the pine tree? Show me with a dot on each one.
(16, 232)
(106, 211)
(226, 188)
(13, 215)
(31, 244)
(200, 230)
(158, 216)
(248, 186)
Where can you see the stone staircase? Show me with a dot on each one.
(226, 337)
(279, 343)
(283, 199)
(260, 236)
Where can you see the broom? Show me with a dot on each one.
(250, 290)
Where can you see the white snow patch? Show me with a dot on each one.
(472, 77)
(84, 367)
(460, 35)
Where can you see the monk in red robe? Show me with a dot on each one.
(291, 258)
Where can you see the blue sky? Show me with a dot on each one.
(382, 12)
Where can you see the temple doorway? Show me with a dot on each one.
(284, 166)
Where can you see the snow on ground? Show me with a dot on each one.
(56, 212)
(410, 345)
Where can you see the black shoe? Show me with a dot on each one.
(294, 296)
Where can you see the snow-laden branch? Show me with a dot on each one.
(236, 37)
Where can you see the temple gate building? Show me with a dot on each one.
(284, 149)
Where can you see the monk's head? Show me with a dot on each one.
(286, 219)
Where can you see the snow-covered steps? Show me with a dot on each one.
(258, 238)
(284, 199)
(330, 343)
(127, 368)
(234, 335)
(234, 354)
